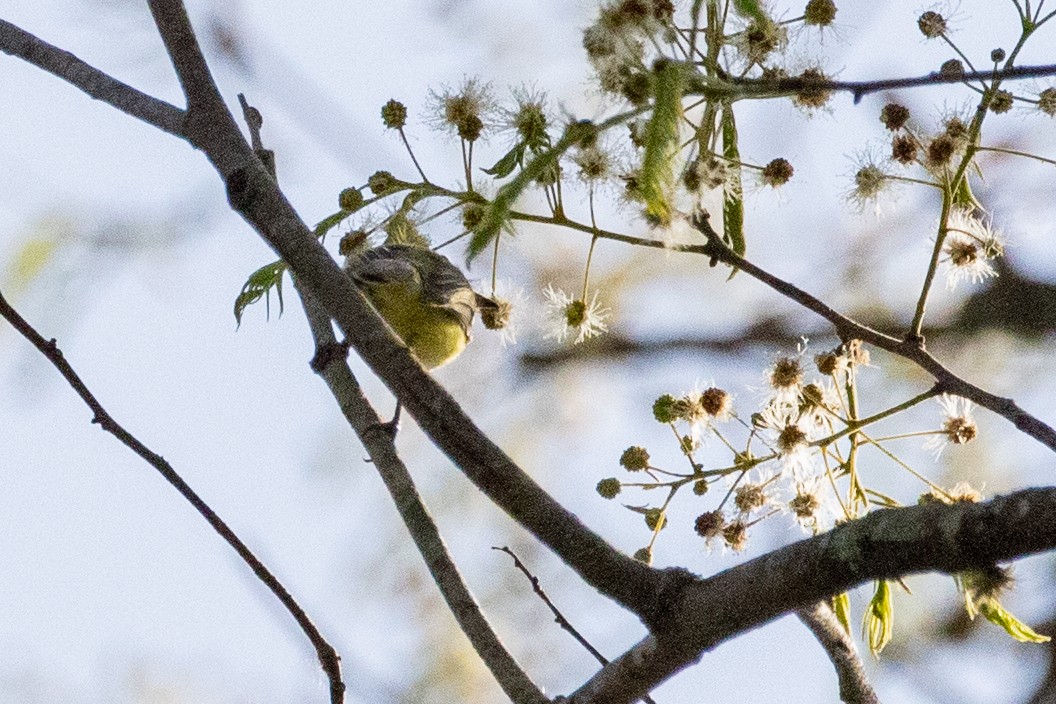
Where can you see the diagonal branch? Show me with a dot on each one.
(839, 646)
(254, 194)
(18, 42)
(328, 657)
(424, 532)
(913, 350)
(885, 544)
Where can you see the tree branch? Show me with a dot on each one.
(913, 350)
(839, 646)
(328, 657)
(424, 532)
(254, 194)
(885, 544)
(62, 64)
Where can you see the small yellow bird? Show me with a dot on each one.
(424, 298)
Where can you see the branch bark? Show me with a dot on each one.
(885, 544)
(839, 646)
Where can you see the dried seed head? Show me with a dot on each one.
(749, 497)
(716, 402)
(811, 96)
(777, 173)
(710, 524)
(903, 149)
(736, 535)
(1047, 101)
(952, 68)
(1002, 102)
(787, 373)
(894, 116)
(932, 25)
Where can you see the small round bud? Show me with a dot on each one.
(394, 115)
(710, 524)
(700, 487)
(894, 116)
(666, 409)
(931, 24)
(997, 55)
(655, 517)
(688, 444)
(812, 96)
(1047, 101)
(1002, 102)
(644, 555)
(350, 199)
(819, 13)
(609, 488)
(777, 173)
(381, 182)
(634, 459)
(903, 149)
(952, 68)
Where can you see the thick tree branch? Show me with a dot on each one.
(328, 657)
(839, 646)
(885, 544)
(64, 65)
(254, 194)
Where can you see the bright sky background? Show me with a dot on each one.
(113, 590)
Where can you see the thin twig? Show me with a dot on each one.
(101, 86)
(328, 657)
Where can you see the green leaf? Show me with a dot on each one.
(841, 606)
(661, 140)
(258, 285)
(330, 222)
(996, 614)
(497, 214)
(733, 202)
(751, 9)
(879, 618)
(505, 166)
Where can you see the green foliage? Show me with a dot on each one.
(879, 618)
(992, 610)
(259, 285)
(662, 141)
(733, 200)
(497, 214)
